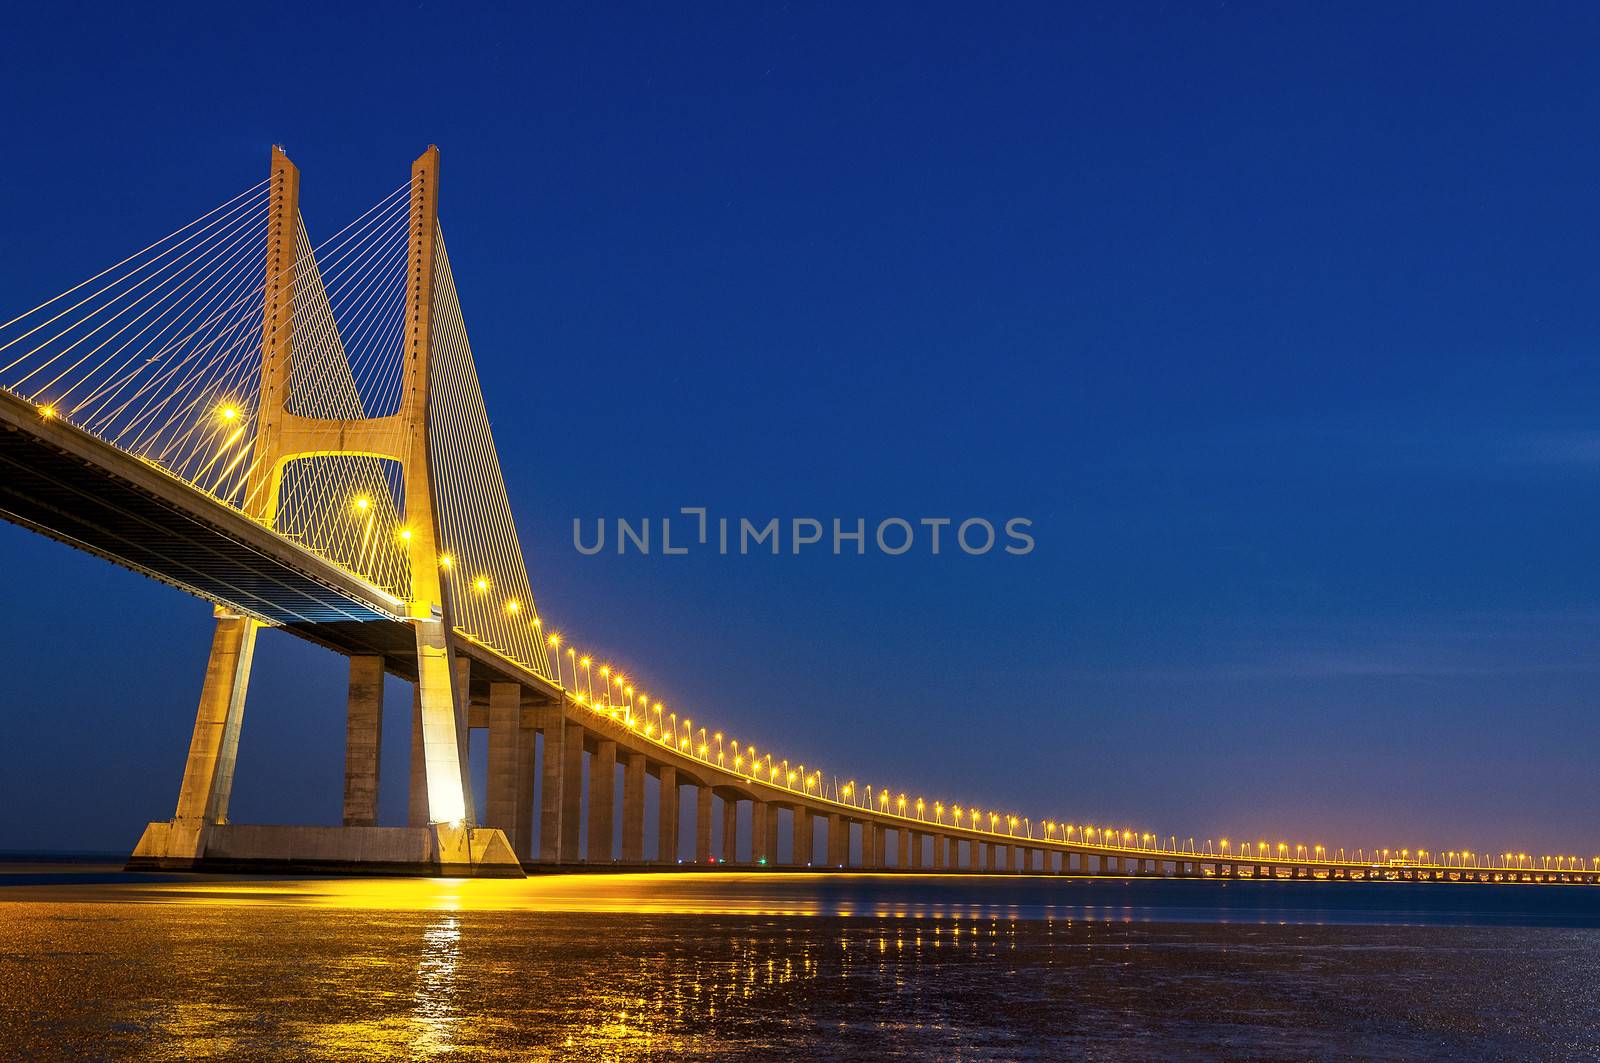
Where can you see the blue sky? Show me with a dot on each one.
(1278, 323)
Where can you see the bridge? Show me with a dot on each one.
(296, 434)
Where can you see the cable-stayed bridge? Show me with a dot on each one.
(296, 433)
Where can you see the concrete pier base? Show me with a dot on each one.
(234, 847)
(760, 852)
(730, 831)
(667, 818)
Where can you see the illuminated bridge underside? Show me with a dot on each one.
(64, 483)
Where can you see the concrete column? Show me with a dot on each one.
(880, 846)
(667, 818)
(730, 831)
(983, 855)
(602, 801)
(527, 769)
(363, 740)
(443, 726)
(417, 797)
(552, 783)
(702, 825)
(771, 813)
(214, 747)
(941, 855)
(463, 697)
(911, 849)
(505, 718)
(633, 809)
(760, 854)
(1019, 858)
(801, 839)
(571, 790)
(838, 841)
(869, 844)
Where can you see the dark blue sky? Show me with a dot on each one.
(1279, 324)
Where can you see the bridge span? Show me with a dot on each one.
(296, 435)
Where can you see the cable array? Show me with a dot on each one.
(159, 354)
(349, 298)
(483, 562)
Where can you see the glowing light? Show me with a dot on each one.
(513, 606)
(405, 534)
(47, 412)
(229, 413)
(480, 585)
(554, 639)
(446, 561)
(363, 503)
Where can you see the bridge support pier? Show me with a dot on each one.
(730, 830)
(667, 817)
(702, 825)
(880, 846)
(527, 768)
(838, 841)
(760, 849)
(940, 855)
(772, 833)
(802, 840)
(602, 800)
(505, 718)
(207, 785)
(363, 740)
(417, 796)
(550, 721)
(633, 809)
(571, 790)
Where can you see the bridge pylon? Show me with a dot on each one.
(199, 832)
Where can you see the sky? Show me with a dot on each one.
(1278, 323)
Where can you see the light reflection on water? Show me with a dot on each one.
(774, 967)
(436, 986)
(879, 896)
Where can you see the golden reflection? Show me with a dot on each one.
(433, 1002)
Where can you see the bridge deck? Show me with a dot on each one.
(62, 482)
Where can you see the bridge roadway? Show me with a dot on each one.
(853, 837)
(64, 483)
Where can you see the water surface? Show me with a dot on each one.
(98, 964)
